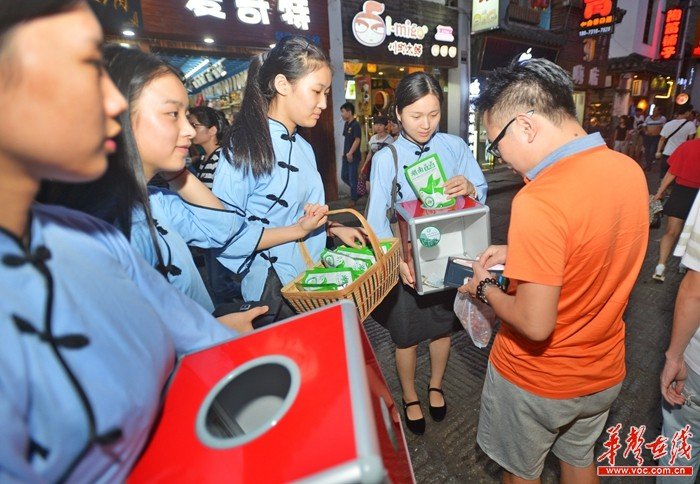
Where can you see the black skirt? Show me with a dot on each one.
(680, 202)
(411, 318)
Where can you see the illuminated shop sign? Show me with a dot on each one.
(295, 13)
(696, 51)
(484, 15)
(598, 17)
(371, 30)
(672, 29)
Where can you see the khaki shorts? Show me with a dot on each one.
(517, 429)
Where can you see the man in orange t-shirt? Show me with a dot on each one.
(576, 242)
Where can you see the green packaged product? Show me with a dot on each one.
(364, 253)
(339, 277)
(427, 178)
(338, 260)
(317, 287)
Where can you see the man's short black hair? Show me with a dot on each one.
(348, 107)
(534, 84)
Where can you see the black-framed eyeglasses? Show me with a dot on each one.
(492, 148)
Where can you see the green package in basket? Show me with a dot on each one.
(317, 287)
(339, 260)
(365, 254)
(427, 178)
(339, 277)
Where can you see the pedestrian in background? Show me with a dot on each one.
(558, 360)
(673, 134)
(634, 148)
(352, 135)
(209, 125)
(652, 130)
(680, 377)
(621, 135)
(379, 140)
(684, 175)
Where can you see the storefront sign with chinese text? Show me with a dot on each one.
(241, 24)
(672, 29)
(598, 17)
(375, 23)
(254, 12)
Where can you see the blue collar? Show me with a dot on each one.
(279, 127)
(571, 148)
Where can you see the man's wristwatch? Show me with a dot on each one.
(489, 281)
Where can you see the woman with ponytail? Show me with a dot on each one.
(160, 223)
(209, 125)
(270, 170)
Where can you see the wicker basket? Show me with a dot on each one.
(367, 291)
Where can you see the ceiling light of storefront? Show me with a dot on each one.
(203, 71)
(385, 70)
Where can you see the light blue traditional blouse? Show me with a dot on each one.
(179, 224)
(89, 333)
(274, 200)
(456, 159)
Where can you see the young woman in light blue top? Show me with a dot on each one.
(410, 318)
(160, 223)
(269, 170)
(89, 332)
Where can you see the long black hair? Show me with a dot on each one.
(114, 196)
(415, 86)
(211, 117)
(248, 144)
(13, 13)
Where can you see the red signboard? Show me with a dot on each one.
(598, 17)
(696, 51)
(672, 30)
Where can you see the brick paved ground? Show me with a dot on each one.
(448, 453)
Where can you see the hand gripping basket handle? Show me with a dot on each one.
(373, 240)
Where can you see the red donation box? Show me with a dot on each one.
(301, 400)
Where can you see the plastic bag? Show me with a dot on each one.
(655, 210)
(478, 318)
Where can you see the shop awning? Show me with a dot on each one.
(536, 35)
(640, 64)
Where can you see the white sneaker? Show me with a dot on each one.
(659, 273)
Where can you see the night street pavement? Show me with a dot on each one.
(448, 453)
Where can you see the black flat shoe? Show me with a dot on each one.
(438, 413)
(415, 426)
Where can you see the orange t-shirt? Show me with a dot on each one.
(581, 224)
